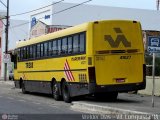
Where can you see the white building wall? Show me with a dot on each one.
(84, 13)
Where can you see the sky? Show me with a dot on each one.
(20, 6)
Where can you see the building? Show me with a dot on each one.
(18, 30)
(84, 13)
(43, 15)
(41, 28)
(149, 18)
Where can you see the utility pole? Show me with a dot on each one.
(153, 68)
(6, 43)
(158, 4)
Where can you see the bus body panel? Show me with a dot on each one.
(111, 69)
(45, 70)
(119, 52)
(117, 35)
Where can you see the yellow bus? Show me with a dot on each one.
(100, 58)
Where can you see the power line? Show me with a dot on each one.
(52, 14)
(3, 3)
(36, 9)
(56, 12)
(71, 7)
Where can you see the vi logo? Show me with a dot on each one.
(120, 38)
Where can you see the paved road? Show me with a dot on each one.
(40, 106)
(15, 105)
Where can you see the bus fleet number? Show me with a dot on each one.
(29, 65)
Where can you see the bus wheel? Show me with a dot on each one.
(23, 87)
(55, 91)
(65, 93)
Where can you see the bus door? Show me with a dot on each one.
(119, 55)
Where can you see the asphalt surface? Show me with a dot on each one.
(126, 107)
(17, 106)
(127, 101)
(39, 106)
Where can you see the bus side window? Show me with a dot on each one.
(50, 48)
(59, 46)
(21, 54)
(46, 49)
(70, 45)
(34, 51)
(75, 44)
(31, 51)
(64, 46)
(38, 50)
(18, 55)
(54, 47)
(24, 53)
(42, 49)
(82, 42)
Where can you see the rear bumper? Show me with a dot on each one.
(93, 88)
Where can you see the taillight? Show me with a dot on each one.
(120, 80)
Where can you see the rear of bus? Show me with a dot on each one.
(118, 57)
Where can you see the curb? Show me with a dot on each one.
(103, 109)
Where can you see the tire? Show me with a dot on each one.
(55, 91)
(23, 87)
(66, 93)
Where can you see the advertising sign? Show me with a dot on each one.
(33, 22)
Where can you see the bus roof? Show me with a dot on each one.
(50, 36)
(62, 33)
